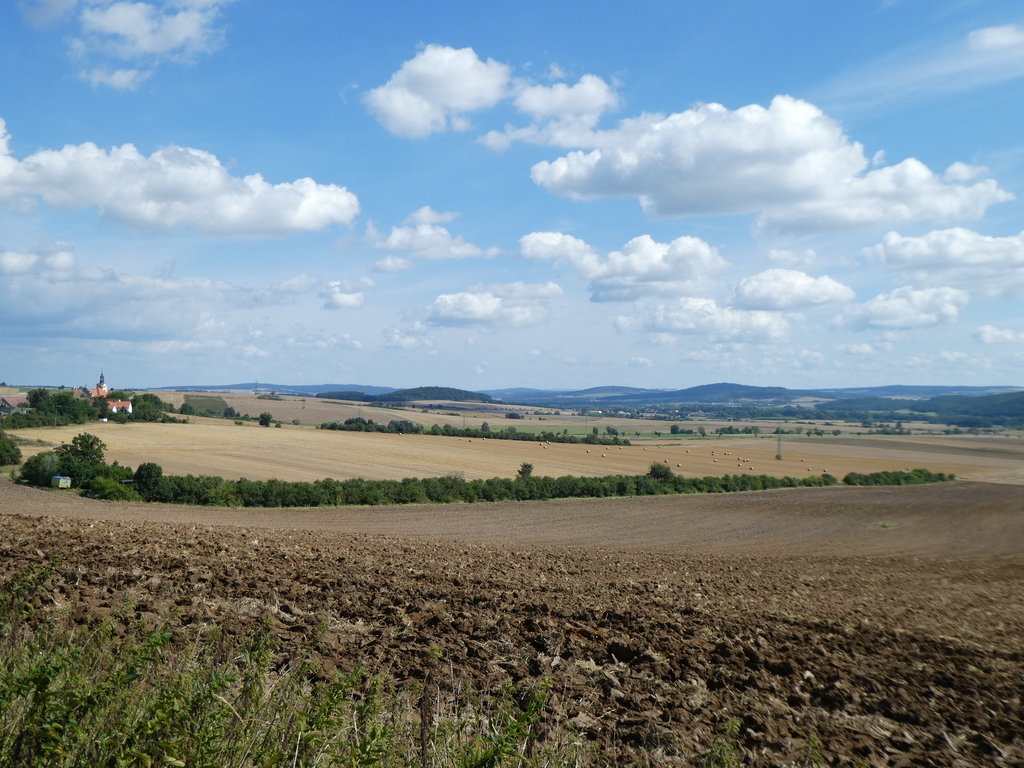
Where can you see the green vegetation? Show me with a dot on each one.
(121, 693)
(9, 452)
(64, 407)
(206, 405)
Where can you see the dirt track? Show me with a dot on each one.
(658, 619)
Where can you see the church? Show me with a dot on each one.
(102, 390)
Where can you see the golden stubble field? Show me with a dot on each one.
(219, 447)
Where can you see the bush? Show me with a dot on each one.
(40, 469)
(111, 490)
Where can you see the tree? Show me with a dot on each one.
(660, 472)
(525, 470)
(229, 412)
(675, 429)
(611, 430)
(37, 398)
(9, 452)
(485, 427)
(148, 477)
(265, 419)
(187, 409)
(84, 447)
(703, 432)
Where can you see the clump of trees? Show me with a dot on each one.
(82, 460)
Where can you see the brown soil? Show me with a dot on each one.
(887, 623)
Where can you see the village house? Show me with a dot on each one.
(102, 390)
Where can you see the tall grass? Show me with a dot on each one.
(120, 693)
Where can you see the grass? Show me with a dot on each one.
(121, 693)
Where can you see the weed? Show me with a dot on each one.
(725, 749)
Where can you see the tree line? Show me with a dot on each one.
(483, 432)
(83, 461)
(63, 408)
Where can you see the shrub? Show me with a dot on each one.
(661, 472)
(111, 490)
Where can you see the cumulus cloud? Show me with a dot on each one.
(907, 307)
(147, 34)
(424, 238)
(173, 187)
(514, 304)
(563, 115)
(989, 334)
(644, 267)
(789, 162)
(990, 265)
(705, 317)
(434, 90)
(640, 362)
(345, 294)
(790, 289)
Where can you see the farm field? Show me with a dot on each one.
(219, 447)
(833, 626)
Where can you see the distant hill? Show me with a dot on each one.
(435, 393)
(281, 389)
(406, 395)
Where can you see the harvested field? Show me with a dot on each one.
(219, 447)
(884, 622)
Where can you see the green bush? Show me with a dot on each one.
(111, 490)
(9, 452)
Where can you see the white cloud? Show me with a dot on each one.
(989, 334)
(514, 304)
(433, 90)
(42, 12)
(148, 33)
(857, 349)
(118, 79)
(414, 336)
(706, 318)
(427, 215)
(982, 57)
(345, 294)
(644, 267)
(392, 264)
(790, 163)
(640, 362)
(990, 265)
(790, 289)
(907, 307)
(791, 260)
(130, 30)
(425, 239)
(563, 115)
(14, 263)
(173, 187)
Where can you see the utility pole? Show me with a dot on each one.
(779, 454)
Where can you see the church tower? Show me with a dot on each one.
(101, 388)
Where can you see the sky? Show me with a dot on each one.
(527, 194)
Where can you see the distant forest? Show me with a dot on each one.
(416, 393)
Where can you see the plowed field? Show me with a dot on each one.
(887, 623)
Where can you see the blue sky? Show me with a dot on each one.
(512, 194)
